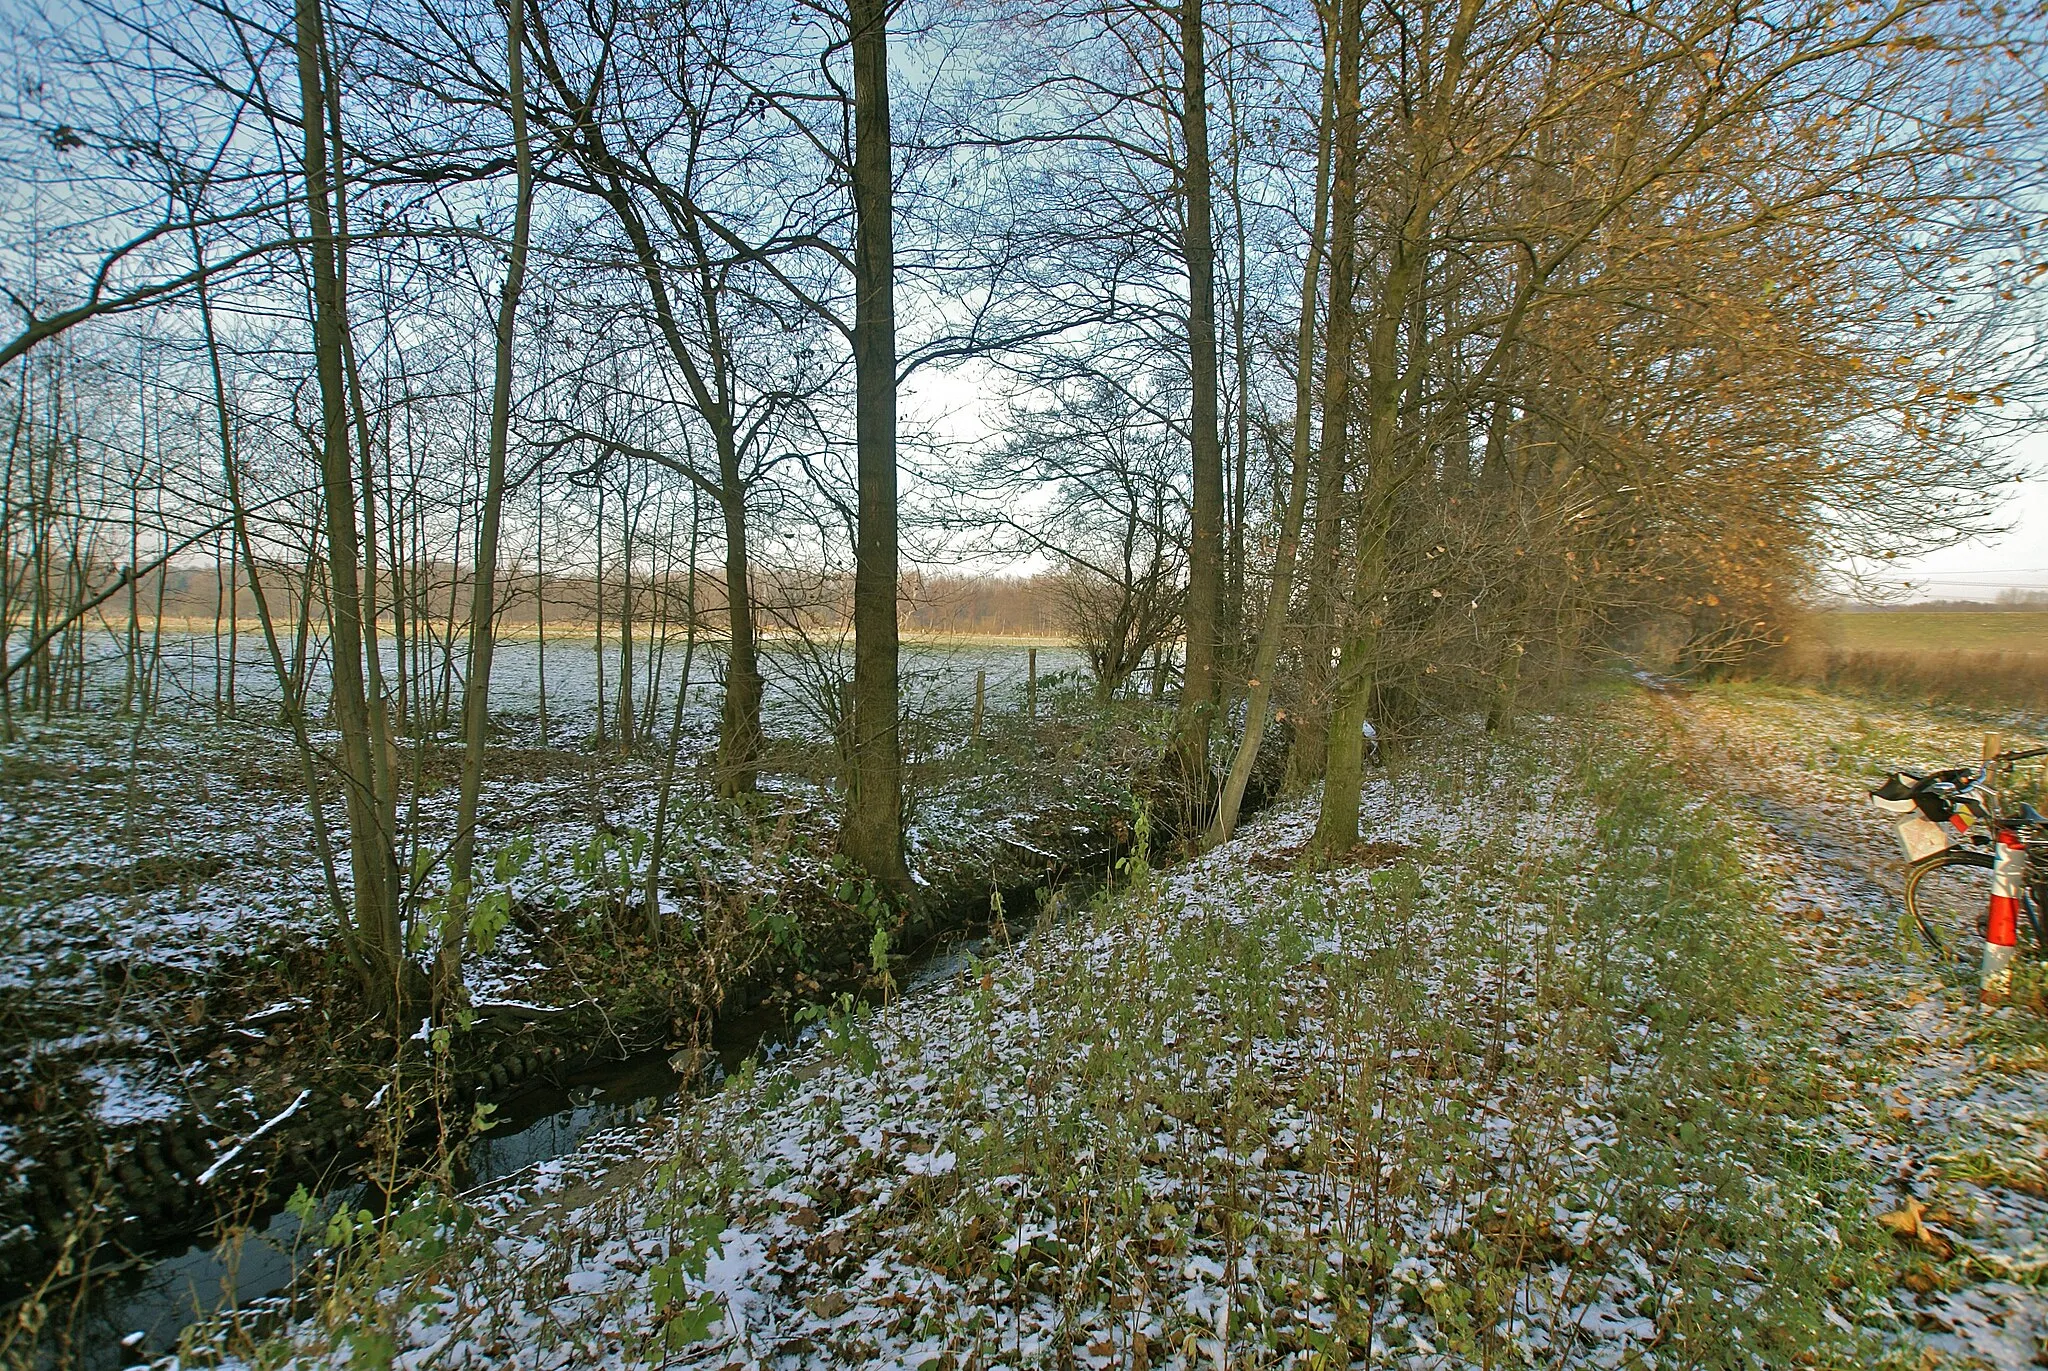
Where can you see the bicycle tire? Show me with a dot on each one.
(1948, 896)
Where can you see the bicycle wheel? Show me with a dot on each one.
(1949, 897)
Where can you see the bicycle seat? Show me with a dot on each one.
(2032, 816)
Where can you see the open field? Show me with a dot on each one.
(566, 631)
(1913, 630)
(938, 674)
(1989, 659)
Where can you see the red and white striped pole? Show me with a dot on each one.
(2002, 929)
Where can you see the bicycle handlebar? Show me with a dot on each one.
(1961, 783)
(1982, 773)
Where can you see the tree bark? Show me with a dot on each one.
(1305, 762)
(872, 834)
(1205, 562)
(1387, 468)
(627, 520)
(388, 978)
(1388, 465)
(658, 843)
(739, 724)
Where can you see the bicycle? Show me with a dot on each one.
(1944, 821)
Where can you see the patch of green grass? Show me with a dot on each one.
(1982, 1166)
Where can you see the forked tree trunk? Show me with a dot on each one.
(387, 975)
(1306, 761)
(740, 739)
(1388, 465)
(1387, 468)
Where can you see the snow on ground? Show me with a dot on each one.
(1954, 1105)
(147, 866)
(1559, 1069)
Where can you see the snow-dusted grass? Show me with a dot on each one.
(170, 978)
(1531, 1081)
(150, 873)
(1953, 1107)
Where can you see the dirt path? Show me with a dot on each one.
(1955, 1100)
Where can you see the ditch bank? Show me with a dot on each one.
(294, 1091)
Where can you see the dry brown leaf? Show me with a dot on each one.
(1909, 1224)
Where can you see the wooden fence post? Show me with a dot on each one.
(1031, 683)
(980, 698)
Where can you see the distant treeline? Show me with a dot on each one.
(939, 603)
(2020, 600)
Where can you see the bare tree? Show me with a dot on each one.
(483, 605)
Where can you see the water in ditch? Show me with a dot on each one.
(140, 1313)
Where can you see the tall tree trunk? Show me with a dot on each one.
(540, 604)
(1386, 467)
(483, 633)
(739, 732)
(1273, 627)
(626, 530)
(371, 855)
(1389, 464)
(872, 834)
(659, 841)
(1305, 762)
(597, 611)
(1357, 673)
(131, 676)
(1239, 471)
(1205, 561)
(661, 596)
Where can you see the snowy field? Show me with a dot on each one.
(1585, 1060)
(938, 676)
(167, 979)
(136, 862)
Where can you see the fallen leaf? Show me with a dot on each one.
(1909, 1224)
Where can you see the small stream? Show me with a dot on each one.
(141, 1313)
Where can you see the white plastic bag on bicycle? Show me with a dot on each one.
(1919, 835)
